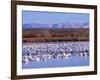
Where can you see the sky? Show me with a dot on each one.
(53, 17)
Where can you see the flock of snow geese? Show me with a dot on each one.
(36, 52)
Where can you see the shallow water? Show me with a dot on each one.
(72, 61)
(69, 62)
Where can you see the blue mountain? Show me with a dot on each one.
(56, 26)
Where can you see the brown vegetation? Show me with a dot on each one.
(70, 34)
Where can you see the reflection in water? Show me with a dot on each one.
(55, 54)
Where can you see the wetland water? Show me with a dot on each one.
(55, 54)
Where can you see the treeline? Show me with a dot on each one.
(70, 34)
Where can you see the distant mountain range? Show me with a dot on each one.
(56, 26)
